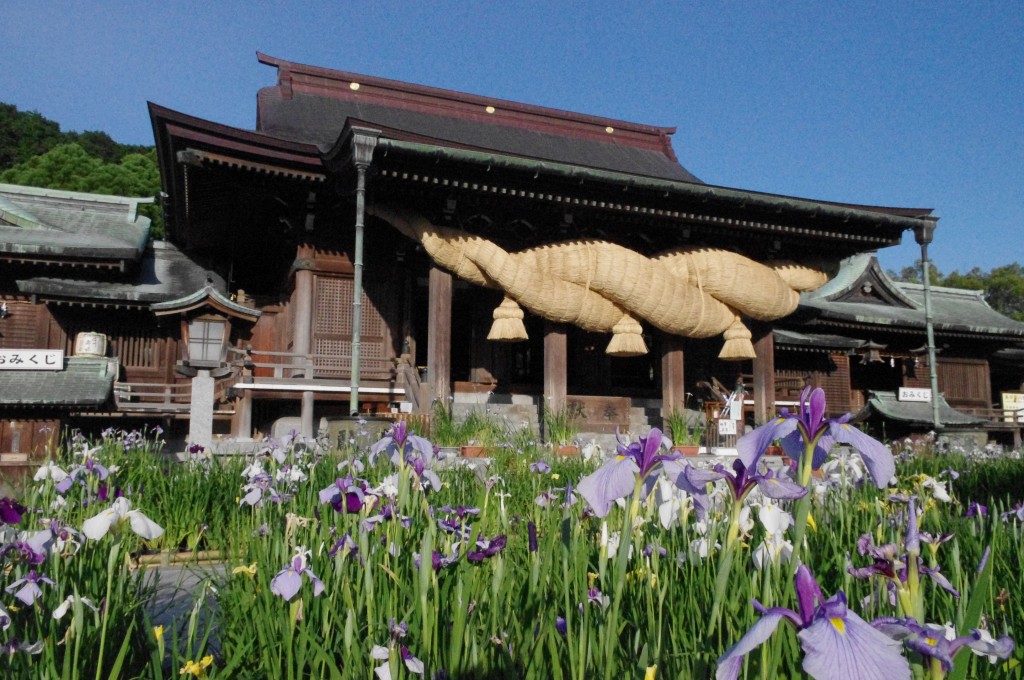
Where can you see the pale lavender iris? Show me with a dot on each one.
(808, 432)
(638, 461)
(289, 580)
(400, 443)
(837, 644)
(27, 589)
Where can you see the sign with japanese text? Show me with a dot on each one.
(1013, 407)
(726, 427)
(31, 359)
(923, 394)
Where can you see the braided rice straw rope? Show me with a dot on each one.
(603, 287)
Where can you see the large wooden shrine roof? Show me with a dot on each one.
(311, 105)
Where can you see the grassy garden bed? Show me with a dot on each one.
(367, 563)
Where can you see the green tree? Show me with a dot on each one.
(70, 167)
(1004, 290)
(24, 135)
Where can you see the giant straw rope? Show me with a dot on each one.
(604, 287)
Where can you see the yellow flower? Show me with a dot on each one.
(197, 668)
(158, 633)
(811, 523)
(651, 672)
(554, 475)
(250, 571)
(592, 579)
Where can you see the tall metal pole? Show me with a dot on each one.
(923, 235)
(363, 144)
(357, 289)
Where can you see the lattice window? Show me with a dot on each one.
(332, 331)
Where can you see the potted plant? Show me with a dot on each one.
(481, 435)
(561, 428)
(445, 431)
(686, 431)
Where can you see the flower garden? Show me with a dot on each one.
(381, 560)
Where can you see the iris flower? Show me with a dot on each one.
(636, 463)
(120, 510)
(942, 644)
(400, 443)
(11, 511)
(289, 580)
(29, 588)
(808, 436)
(837, 644)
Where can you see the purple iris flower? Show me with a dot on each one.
(531, 532)
(11, 511)
(975, 509)
(540, 467)
(22, 551)
(399, 443)
(837, 644)
(892, 564)
(438, 560)
(742, 481)
(347, 495)
(486, 548)
(289, 580)
(637, 461)
(930, 641)
(91, 467)
(29, 590)
(809, 430)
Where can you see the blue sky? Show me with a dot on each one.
(884, 103)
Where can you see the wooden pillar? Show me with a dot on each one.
(439, 334)
(556, 363)
(241, 425)
(302, 328)
(673, 389)
(764, 378)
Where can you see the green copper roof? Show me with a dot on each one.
(953, 310)
(37, 222)
(85, 381)
(917, 412)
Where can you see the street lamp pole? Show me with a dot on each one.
(923, 234)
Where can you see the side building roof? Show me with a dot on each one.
(48, 224)
(863, 295)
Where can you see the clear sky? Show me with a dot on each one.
(912, 104)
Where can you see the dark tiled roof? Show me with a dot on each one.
(47, 222)
(311, 104)
(165, 273)
(824, 342)
(916, 412)
(85, 381)
(319, 120)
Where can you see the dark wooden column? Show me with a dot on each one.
(764, 378)
(673, 390)
(439, 334)
(555, 366)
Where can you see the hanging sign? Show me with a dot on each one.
(726, 427)
(922, 394)
(31, 359)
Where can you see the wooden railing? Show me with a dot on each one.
(165, 397)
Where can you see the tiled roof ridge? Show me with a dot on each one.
(305, 79)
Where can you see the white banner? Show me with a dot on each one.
(915, 394)
(31, 360)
